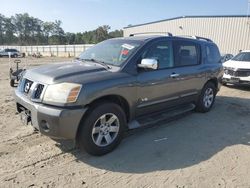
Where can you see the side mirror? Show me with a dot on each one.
(149, 64)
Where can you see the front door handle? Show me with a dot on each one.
(174, 75)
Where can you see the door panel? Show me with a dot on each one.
(157, 90)
(178, 82)
(154, 86)
(188, 62)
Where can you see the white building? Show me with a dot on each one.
(230, 33)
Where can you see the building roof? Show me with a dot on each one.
(201, 16)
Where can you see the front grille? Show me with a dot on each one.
(238, 73)
(31, 89)
(38, 91)
(27, 85)
(243, 73)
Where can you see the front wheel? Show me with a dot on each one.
(224, 83)
(12, 83)
(102, 129)
(207, 98)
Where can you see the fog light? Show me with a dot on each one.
(45, 125)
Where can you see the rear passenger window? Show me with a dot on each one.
(186, 53)
(213, 54)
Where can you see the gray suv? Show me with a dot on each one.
(120, 84)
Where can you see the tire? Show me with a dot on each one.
(206, 98)
(102, 129)
(12, 83)
(224, 83)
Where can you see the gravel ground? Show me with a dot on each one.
(197, 150)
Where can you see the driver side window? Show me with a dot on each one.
(161, 51)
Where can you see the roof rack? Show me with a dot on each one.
(165, 33)
(196, 37)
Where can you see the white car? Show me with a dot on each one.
(237, 69)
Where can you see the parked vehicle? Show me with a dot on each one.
(13, 53)
(120, 84)
(226, 57)
(237, 70)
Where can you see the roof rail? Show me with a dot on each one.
(196, 37)
(165, 33)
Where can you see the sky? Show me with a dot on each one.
(84, 15)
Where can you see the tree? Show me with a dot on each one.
(116, 33)
(23, 29)
(9, 32)
(47, 29)
(2, 23)
(58, 35)
(101, 33)
(70, 38)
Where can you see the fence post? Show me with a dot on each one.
(74, 47)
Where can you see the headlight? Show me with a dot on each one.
(62, 93)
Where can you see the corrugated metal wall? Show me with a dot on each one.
(231, 34)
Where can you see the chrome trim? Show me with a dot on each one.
(157, 102)
(149, 64)
(189, 94)
(32, 91)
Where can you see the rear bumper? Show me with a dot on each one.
(55, 122)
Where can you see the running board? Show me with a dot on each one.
(160, 116)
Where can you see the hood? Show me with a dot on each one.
(237, 64)
(63, 72)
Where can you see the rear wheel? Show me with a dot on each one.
(102, 129)
(207, 97)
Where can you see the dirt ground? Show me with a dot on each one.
(197, 150)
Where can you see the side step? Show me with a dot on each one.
(160, 116)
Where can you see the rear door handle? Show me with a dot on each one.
(174, 75)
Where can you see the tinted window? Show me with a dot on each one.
(162, 51)
(10, 50)
(186, 53)
(213, 54)
(243, 56)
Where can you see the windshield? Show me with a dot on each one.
(111, 52)
(243, 56)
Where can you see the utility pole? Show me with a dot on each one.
(248, 23)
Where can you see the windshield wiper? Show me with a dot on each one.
(99, 62)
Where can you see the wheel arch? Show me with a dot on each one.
(214, 81)
(117, 99)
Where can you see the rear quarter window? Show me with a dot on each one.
(213, 54)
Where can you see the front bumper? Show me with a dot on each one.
(55, 122)
(236, 80)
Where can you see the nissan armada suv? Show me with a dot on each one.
(120, 84)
